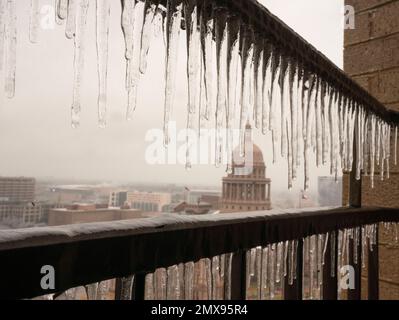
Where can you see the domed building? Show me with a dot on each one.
(247, 188)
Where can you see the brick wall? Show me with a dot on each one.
(371, 57)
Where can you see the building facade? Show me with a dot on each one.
(148, 201)
(247, 190)
(16, 189)
(371, 58)
(88, 213)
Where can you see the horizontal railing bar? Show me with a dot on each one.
(308, 221)
(90, 253)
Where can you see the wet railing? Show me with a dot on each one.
(266, 255)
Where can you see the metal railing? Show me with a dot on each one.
(90, 253)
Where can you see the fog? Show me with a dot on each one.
(36, 137)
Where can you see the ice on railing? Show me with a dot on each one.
(269, 270)
(254, 78)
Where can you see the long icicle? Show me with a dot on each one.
(221, 30)
(103, 19)
(247, 53)
(11, 48)
(70, 28)
(147, 34)
(173, 23)
(62, 9)
(3, 7)
(192, 20)
(208, 48)
(34, 21)
(81, 18)
(133, 65)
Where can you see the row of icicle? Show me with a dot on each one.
(255, 81)
(268, 268)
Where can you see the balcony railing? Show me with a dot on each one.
(298, 250)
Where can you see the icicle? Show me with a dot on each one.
(264, 274)
(11, 48)
(91, 291)
(292, 262)
(103, 18)
(285, 260)
(266, 87)
(62, 9)
(81, 18)
(312, 264)
(272, 269)
(319, 124)
(221, 16)
(247, 53)
(133, 64)
(293, 145)
(34, 21)
(193, 65)
(275, 64)
(325, 122)
(207, 29)
(299, 111)
(193, 54)
(233, 57)
(325, 249)
(359, 134)
(259, 77)
(70, 28)
(3, 18)
(148, 31)
(173, 23)
(279, 261)
(127, 26)
(284, 70)
(309, 126)
(372, 149)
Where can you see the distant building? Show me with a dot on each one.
(118, 198)
(329, 191)
(17, 189)
(72, 193)
(87, 213)
(148, 201)
(24, 214)
(244, 191)
(194, 196)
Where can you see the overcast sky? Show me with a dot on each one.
(36, 138)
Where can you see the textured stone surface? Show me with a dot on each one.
(371, 57)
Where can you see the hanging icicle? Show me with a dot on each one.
(34, 21)
(173, 23)
(103, 19)
(11, 48)
(81, 17)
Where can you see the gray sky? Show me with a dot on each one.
(36, 138)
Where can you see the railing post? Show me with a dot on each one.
(330, 279)
(138, 289)
(373, 270)
(238, 276)
(294, 291)
(356, 293)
